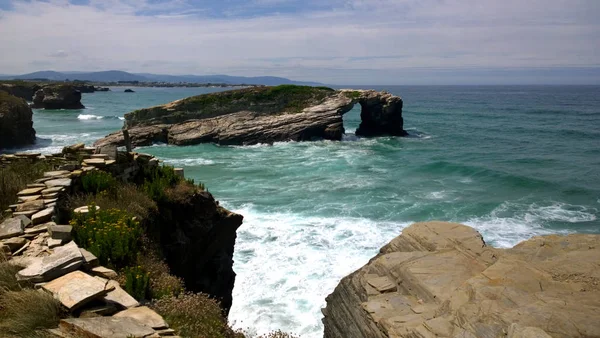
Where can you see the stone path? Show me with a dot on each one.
(71, 274)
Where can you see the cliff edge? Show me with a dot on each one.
(16, 122)
(440, 279)
(261, 115)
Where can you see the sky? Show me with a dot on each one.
(331, 41)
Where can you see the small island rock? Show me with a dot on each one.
(129, 91)
(60, 96)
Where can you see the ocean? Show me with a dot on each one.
(511, 161)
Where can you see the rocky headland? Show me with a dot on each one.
(440, 279)
(60, 96)
(261, 115)
(16, 124)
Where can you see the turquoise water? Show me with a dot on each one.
(513, 162)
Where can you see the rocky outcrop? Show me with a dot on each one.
(61, 96)
(24, 90)
(198, 243)
(16, 124)
(441, 280)
(262, 115)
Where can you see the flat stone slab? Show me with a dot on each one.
(37, 229)
(26, 220)
(102, 156)
(56, 173)
(53, 243)
(59, 182)
(36, 185)
(25, 213)
(89, 260)
(31, 205)
(11, 227)
(75, 289)
(84, 209)
(144, 315)
(382, 284)
(62, 232)
(103, 272)
(65, 259)
(42, 216)
(52, 190)
(94, 161)
(29, 198)
(119, 296)
(15, 243)
(100, 327)
(30, 191)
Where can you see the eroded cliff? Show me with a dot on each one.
(441, 280)
(261, 115)
(16, 121)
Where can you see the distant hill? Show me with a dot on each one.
(116, 75)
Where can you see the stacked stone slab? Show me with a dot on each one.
(29, 237)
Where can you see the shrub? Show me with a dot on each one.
(162, 283)
(137, 282)
(15, 177)
(98, 181)
(24, 312)
(158, 180)
(126, 197)
(111, 235)
(195, 315)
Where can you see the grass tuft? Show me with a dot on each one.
(23, 313)
(15, 177)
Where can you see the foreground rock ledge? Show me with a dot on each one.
(441, 280)
(261, 115)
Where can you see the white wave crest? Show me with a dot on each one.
(188, 162)
(89, 117)
(287, 264)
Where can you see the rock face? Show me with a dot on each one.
(16, 124)
(261, 115)
(441, 280)
(58, 97)
(24, 90)
(198, 243)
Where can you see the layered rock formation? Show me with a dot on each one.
(261, 115)
(61, 96)
(441, 280)
(16, 124)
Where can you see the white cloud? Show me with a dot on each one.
(342, 44)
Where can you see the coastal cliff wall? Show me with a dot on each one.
(440, 279)
(16, 121)
(194, 233)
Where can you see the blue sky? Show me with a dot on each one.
(331, 41)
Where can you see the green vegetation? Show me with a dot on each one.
(352, 95)
(265, 100)
(160, 179)
(111, 235)
(6, 98)
(98, 181)
(15, 177)
(195, 315)
(137, 282)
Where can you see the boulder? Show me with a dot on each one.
(440, 279)
(60, 96)
(101, 327)
(75, 289)
(261, 115)
(16, 122)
